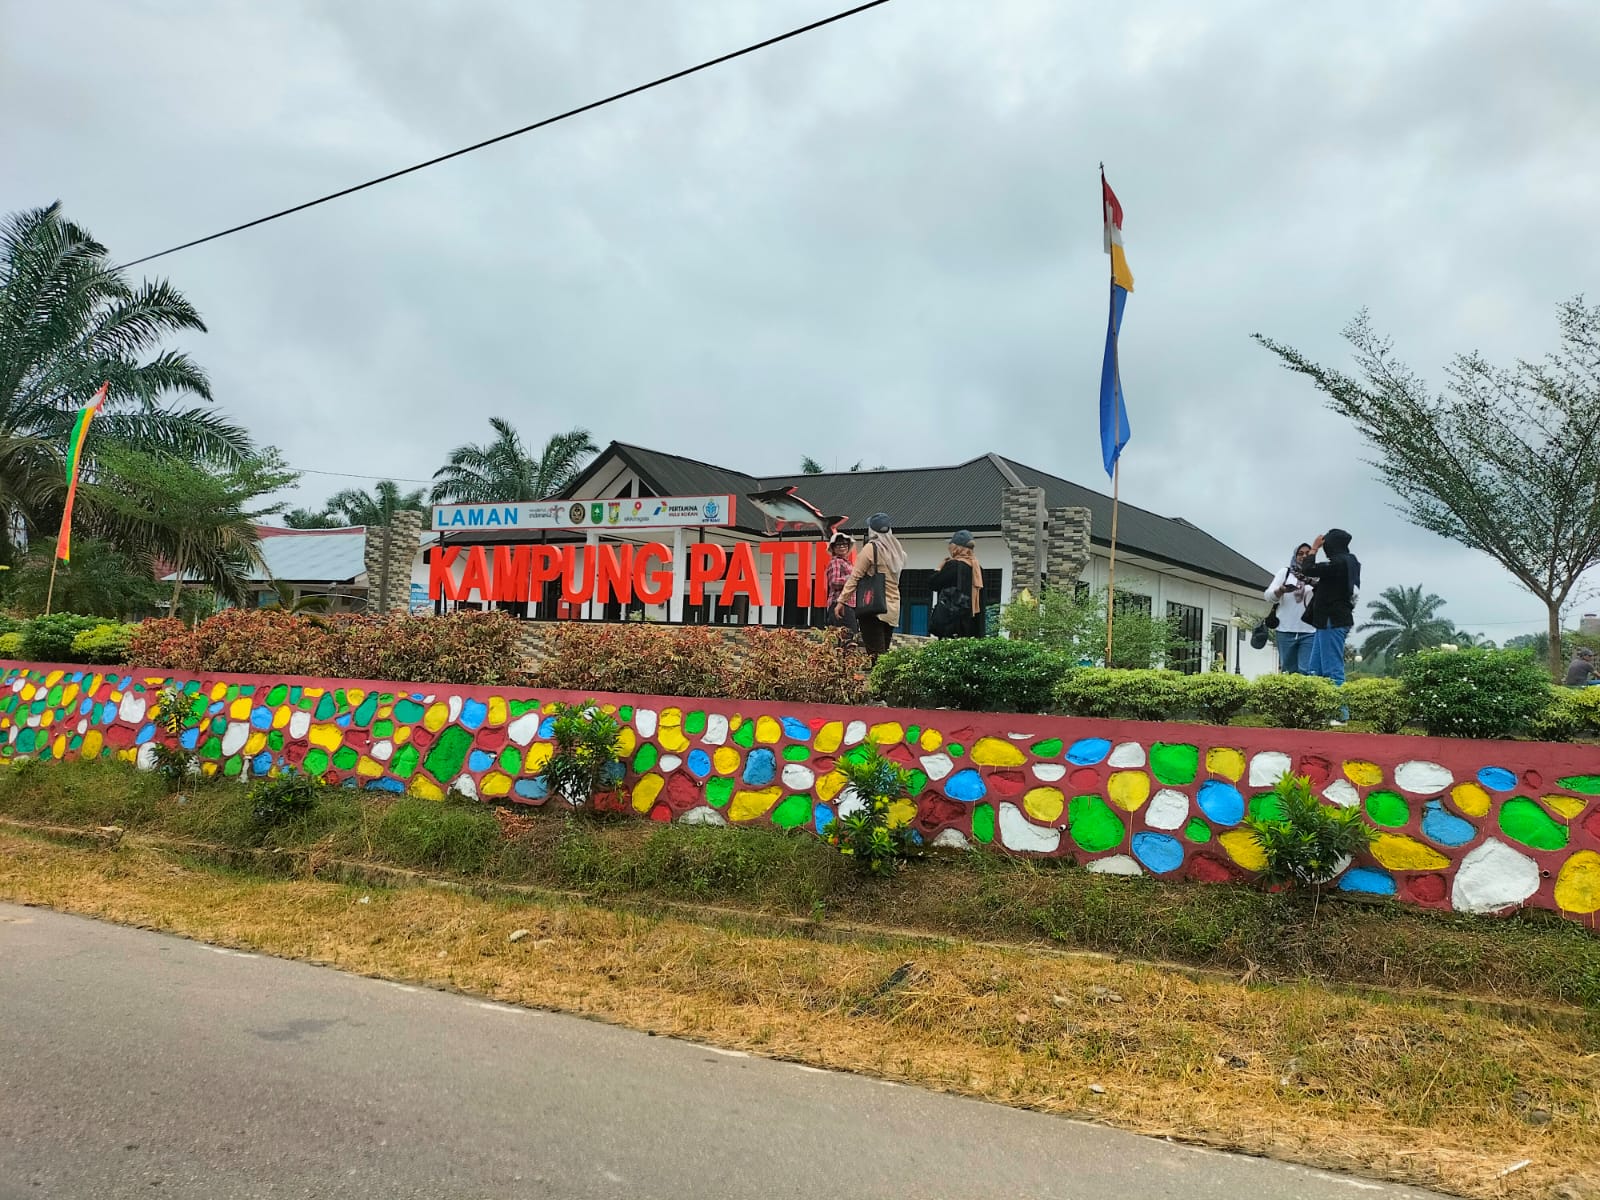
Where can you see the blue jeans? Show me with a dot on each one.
(1327, 659)
(1294, 653)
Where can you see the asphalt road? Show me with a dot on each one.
(138, 1065)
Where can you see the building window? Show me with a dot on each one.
(1133, 602)
(1190, 622)
(1219, 645)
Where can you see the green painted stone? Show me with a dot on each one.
(198, 708)
(793, 812)
(383, 729)
(1048, 748)
(52, 698)
(1093, 825)
(296, 693)
(246, 690)
(275, 740)
(231, 694)
(955, 749)
(858, 754)
(519, 708)
(645, 758)
(25, 739)
(1267, 807)
(913, 732)
(340, 700)
(304, 702)
(326, 708)
(407, 712)
(918, 782)
(745, 735)
(796, 753)
(316, 761)
(1388, 809)
(75, 742)
(1174, 763)
(233, 766)
(718, 791)
(191, 687)
(364, 714)
(218, 723)
(345, 758)
(277, 695)
(386, 698)
(405, 761)
(1588, 785)
(983, 823)
(1524, 821)
(695, 722)
(625, 713)
(511, 760)
(447, 754)
(211, 748)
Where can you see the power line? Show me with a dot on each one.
(571, 112)
(356, 475)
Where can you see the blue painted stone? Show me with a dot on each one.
(108, 713)
(342, 722)
(796, 730)
(1158, 852)
(916, 838)
(214, 709)
(261, 718)
(479, 760)
(261, 763)
(474, 713)
(760, 768)
(125, 683)
(189, 739)
(386, 785)
(822, 817)
(86, 707)
(1497, 779)
(547, 727)
(1221, 802)
(699, 763)
(1367, 880)
(147, 734)
(1088, 751)
(1444, 827)
(614, 772)
(531, 789)
(966, 786)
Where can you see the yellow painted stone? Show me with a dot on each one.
(492, 784)
(1400, 853)
(354, 696)
(328, 737)
(1128, 789)
(646, 791)
(768, 731)
(53, 678)
(385, 711)
(726, 760)
(1578, 885)
(29, 691)
(887, 733)
(402, 735)
(70, 693)
(436, 718)
(1244, 849)
(47, 718)
(497, 710)
(829, 737)
(1044, 804)
(208, 768)
(1567, 806)
(735, 721)
(426, 789)
(931, 740)
(671, 739)
(669, 718)
(218, 691)
(830, 785)
(280, 719)
(901, 812)
(626, 741)
(1471, 799)
(131, 755)
(996, 752)
(92, 742)
(59, 746)
(752, 803)
(1363, 774)
(550, 706)
(538, 754)
(255, 743)
(1229, 764)
(369, 768)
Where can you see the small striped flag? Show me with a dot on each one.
(80, 431)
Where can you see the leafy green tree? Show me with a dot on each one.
(1468, 640)
(100, 581)
(376, 507)
(1505, 460)
(1076, 624)
(1403, 621)
(504, 470)
(305, 518)
(69, 321)
(810, 466)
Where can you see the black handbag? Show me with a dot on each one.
(872, 596)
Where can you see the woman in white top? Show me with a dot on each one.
(1291, 593)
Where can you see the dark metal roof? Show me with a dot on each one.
(940, 499)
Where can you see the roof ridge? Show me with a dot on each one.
(699, 462)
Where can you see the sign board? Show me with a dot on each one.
(645, 512)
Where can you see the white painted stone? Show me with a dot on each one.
(465, 786)
(1049, 772)
(234, 737)
(850, 802)
(1020, 737)
(702, 816)
(1268, 767)
(716, 729)
(1493, 877)
(669, 763)
(937, 766)
(1423, 778)
(382, 750)
(952, 839)
(1116, 864)
(1168, 809)
(525, 728)
(644, 720)
(855, 733)
(131, 710)
(455, 709)
(146, 759)
(1127, 754)
(83, 726)
(1343, 793)
(1019, 833)
(798, 777)
(299, 724)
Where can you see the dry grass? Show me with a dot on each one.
(1406, 1091)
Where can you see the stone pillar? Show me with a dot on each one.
(391, 551)
(1022, 523)
(1068, 552)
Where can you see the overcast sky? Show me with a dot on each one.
(880, 241)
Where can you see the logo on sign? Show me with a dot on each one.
(575, 513)
(712, 510)
(597, 512)
(614, 512)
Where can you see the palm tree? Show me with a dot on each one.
(70, 321)
(1468, 640)
(810, 466)
(305, 518)
(376, 507)
(504, 471)
(1404, 621)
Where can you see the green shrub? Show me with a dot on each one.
(977, 674)
(1475, 693)
(1130, 695)
(1571, 713)
(1305, 841)
(284, 798)
(105, 643)
(1215, 696)
(1380, 703)
(10, 645)
(585, 763)
(864, 834)
(457, 834)
(1294, 701)
(49, 638)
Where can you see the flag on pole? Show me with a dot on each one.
(80, 431)
(1114, 430)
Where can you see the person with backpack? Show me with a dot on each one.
(875, 583)
(1290, 593)
(957, 588)
(1335, 584)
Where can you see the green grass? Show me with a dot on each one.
(1534, 955)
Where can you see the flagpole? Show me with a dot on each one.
(1116, 480)
(50, 592)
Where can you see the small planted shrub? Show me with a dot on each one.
(1129, 695)
(1572, 713)
(49, 638)
(1216, 697)
(11, 645)
(1380, 703)
(586, 763)
(1305, 841)
(105, 643)
(283, 798)
(865, 831)
(1294, 701)
(1475, 693)
(977, 674)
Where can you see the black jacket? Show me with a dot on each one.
(956, 574)
(1334, 584)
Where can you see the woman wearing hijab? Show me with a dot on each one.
(957, 587)
(1290, 592)
(883, 554)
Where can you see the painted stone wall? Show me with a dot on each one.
(1475, 826)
